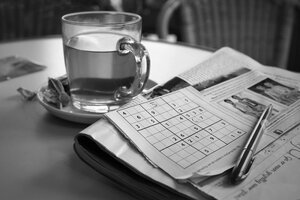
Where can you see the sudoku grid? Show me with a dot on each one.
(180, 129)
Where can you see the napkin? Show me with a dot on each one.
(13, 66)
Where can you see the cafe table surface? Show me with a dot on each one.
(37, 160)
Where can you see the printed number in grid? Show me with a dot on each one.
(180, 129)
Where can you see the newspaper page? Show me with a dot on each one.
(194, 125)
(274, 174)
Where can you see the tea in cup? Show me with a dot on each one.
(106, 64)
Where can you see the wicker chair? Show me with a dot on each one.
(21, 19)
(261, 29)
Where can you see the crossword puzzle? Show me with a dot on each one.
(179, 128)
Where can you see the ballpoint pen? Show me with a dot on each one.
(243, 165)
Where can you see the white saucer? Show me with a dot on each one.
(68, 112)
(73, 114)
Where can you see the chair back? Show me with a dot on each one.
(20, 19)
(261, 29)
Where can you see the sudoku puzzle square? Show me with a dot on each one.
(179, 128)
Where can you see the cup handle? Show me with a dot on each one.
(128, 45)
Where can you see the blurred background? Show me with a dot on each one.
(266, 30)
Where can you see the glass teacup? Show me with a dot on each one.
(106, 64)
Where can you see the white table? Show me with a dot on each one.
(37, 160)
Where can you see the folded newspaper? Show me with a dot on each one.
(182, 139)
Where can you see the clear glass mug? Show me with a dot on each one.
(106, 64)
